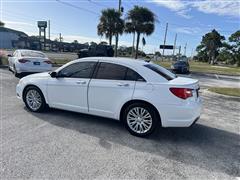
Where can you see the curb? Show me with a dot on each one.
(221, 95)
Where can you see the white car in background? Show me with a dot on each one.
(142, 95)
(28, 61)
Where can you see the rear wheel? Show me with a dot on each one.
(34, 99)
(140, 119)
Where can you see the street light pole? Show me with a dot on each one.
(117, 35)
(165, 37)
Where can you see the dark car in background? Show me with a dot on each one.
(96, 50)
(180, 67)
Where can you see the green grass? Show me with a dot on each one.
(206, 68)
(226, 91)
(4, 61)
(60, 61)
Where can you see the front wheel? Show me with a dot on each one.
(140, 119)
(34, 99)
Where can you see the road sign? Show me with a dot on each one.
(166, 46)
(42, 24)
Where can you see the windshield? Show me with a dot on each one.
(32, 54)
(161, 71)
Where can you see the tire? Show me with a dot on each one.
(33, 92)
(148, 126)
(16, 74)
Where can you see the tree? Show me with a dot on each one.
(2, 24)
(118, 30)
(157, 53)
(110, 24)
(143, 42)
(234, 39)
(140, 20)
(210, 45)
(75, 42)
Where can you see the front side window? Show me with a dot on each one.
(78, 70)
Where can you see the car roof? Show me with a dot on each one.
(29, 50)
(135, 64)
(126, 61)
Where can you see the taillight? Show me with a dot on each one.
(182, 93)
(23, 60)
(48, 62)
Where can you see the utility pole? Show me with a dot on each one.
(49, 29)
(60, 37)
(117, 35)
(165, 37)
(133, 44)
(49, 45)
(179, 52)
(192, 54)
(185, 48)
(174, 47)
(60, 40)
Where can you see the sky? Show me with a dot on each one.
(78, 19)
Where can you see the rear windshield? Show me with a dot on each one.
(161, 71)
(32, 54)
(181, 62)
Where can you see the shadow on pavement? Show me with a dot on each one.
(202, 146)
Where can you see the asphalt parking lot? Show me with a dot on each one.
(60, 144)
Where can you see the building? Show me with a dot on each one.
(10, 38)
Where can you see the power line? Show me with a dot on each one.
(101, 5)
(76, 7)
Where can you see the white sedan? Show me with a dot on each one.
(142, 95)
(28, 61)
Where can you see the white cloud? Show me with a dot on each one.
(174, 5)
(222, 8)
(18, 23)
(188, 30)
(219, 7)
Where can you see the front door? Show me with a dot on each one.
(69, 90)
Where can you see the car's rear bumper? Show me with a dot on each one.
(180, 115)
(26, 69)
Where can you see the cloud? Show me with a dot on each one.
(222, 8)
(188, 30)
(218, 7)
(18, 23)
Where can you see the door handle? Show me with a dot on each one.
(81, 82)
(123, 84)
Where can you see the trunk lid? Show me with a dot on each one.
(185, 82)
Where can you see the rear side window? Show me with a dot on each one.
(116, 72)
(111, 71)
(131, 75)
(78, 70)
(161, 71)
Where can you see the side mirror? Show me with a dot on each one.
(9, 55)
(53, 74)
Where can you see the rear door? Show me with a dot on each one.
(111, 86)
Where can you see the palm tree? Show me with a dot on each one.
(141, 20)
(118, 30)
(143, 42)
(110, 24)
(2, 24)
(129, 28)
